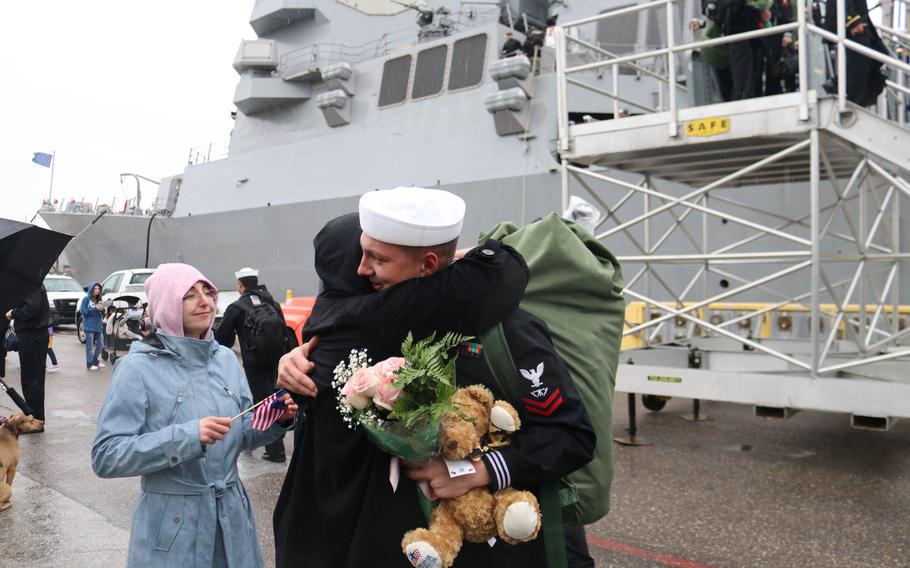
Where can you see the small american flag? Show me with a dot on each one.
(269, 411)
(43, 159)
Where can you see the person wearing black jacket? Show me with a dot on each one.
(260, 374)
(461, 298)
(336, 507)
(31, 320)
(865, 80)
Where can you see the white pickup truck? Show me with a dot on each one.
(132, 283)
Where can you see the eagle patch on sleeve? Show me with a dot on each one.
(541, 404)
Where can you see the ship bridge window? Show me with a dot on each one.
(468, 58)
(395, 75)
(430, 71)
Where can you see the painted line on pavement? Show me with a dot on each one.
(667, 559)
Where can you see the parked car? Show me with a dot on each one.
(121, 283)
(64, 295)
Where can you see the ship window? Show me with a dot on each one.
(395, 75)
(468, 57)
(430, 70)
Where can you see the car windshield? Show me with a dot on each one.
(139, 277)
(62, 285)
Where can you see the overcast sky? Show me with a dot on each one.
(111, 87)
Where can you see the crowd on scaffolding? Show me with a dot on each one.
(769, 65)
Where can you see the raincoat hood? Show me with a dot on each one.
(338, 255)
(165, 290)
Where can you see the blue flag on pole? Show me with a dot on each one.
(43, 159)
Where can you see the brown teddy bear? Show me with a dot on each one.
(478, 515)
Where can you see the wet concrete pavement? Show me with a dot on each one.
(733, 491)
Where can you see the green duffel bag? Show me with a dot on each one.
(576, 288)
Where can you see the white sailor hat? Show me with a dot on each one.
(412, 216)
(246, 272)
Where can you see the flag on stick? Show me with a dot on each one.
(270, 410)
(43, 159)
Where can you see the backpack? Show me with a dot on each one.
(263, 336)
(576, 288)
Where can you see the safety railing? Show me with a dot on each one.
(208, 153)
(795, 271)
(673, 48)
(317, 56)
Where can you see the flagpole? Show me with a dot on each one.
(250, 409)
(50, 191)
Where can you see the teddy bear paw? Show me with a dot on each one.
(502, 419)
(421, 554)
(520, 521)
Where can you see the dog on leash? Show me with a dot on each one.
(10, 428)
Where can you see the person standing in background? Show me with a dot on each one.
(50, 351)
(92, 310)
(256, 318)
(32, 318)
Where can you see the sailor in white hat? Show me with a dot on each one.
(260, 344)
(246, 272)
(408, 232)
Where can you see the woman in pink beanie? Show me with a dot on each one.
(166, 417)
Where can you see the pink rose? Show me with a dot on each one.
(360, 388)
(385, 396)
(386, 369)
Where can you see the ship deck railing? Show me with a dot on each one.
(813, 185)
(307, 59)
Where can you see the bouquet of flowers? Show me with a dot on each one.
(399, 401)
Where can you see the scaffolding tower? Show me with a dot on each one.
(814, 281)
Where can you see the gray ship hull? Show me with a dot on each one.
(275, 239)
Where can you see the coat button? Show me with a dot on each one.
(176, 520)
(173, 459)
(487, 252)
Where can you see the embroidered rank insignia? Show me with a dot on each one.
(471, 349)
(540, 393)
(544, 407)
(533, 375)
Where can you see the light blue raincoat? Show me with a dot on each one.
(149, 425)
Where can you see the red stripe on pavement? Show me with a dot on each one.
(667, 559)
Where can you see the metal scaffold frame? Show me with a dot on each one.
(844, 245)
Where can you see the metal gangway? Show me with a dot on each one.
(760, 239)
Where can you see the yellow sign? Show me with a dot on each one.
(708, 126)
(659, 379)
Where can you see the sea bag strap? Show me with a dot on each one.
(502, 366)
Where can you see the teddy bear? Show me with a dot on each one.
(478, 515)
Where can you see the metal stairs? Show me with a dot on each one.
(760, 239)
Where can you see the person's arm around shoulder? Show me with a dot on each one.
(556, 436)
(479, 289)
(122, 447)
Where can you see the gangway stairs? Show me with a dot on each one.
(792, 203)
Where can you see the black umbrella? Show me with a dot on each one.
(20, 402)
(27, 253)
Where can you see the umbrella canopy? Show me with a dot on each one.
(27, 253)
